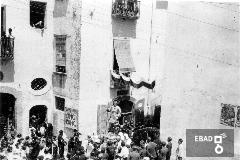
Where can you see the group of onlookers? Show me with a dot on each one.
(40, 145)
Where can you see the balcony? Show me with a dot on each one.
(118, 83)
(7, 48)
(126, 9)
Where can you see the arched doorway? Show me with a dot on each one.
(37, 115)
(7, 112)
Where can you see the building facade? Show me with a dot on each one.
(177, 45)
(181, 56)
(113, 60)
(26, 63)
(201, 68)
(66, 74)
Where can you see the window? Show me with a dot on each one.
(60, 103)
(37, 14)
(38, 83)
(61, 69)
(60, 53)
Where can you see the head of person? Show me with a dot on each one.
(19, 135)
(75, 132)
(115, 102)
(109, 143)
(60, 132)
(10, 30)
(163, 144)
(149, 139)
(180, 141)
(5, 137)
(9, 149)
(102, 150)
(169, 139)
(32, 130)
(24, 147)
(40, 158)
(135, 148)
(118, 138)
(123, 144)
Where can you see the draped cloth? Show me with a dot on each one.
(135, 84)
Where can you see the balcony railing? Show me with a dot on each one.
(116, 83)
(129, 9)
(7, 48)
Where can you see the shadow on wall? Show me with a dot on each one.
(60, 8)
(124, 27)
(7, 71)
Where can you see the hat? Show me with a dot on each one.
(169, 138)
(164, 143)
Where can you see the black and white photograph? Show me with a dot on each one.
(120, 80)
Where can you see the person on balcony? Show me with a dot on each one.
(10, 33)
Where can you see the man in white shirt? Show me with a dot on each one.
(124, 152)
(115, 114)
(179, 150)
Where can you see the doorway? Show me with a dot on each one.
(126, 108)
(7, 113)
(37, 116)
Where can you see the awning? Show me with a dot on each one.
(123, 56)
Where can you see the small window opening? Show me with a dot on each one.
(60, 103)
(37, 14)
(60, 53)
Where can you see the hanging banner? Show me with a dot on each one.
(123, 55)
(71, 118)
(227, 115)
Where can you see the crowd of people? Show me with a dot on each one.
(38, 146)
(122, 142)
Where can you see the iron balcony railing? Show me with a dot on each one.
(128, 9)
(7, 48)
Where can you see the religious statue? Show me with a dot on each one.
(115, 114)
